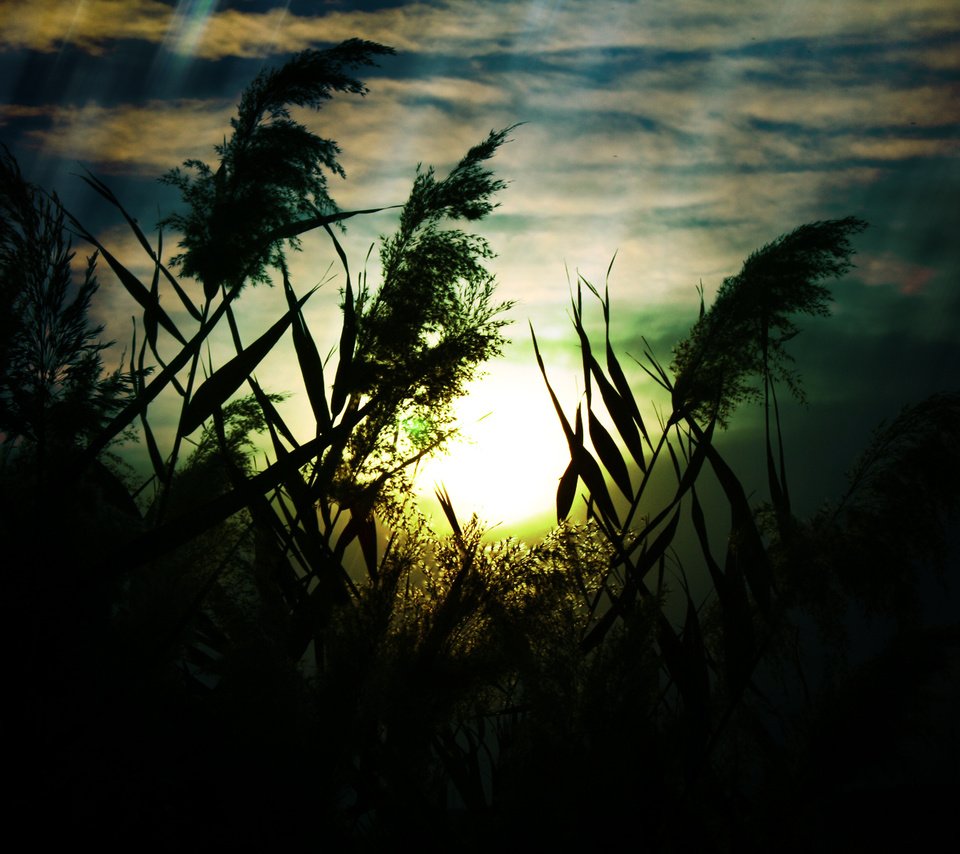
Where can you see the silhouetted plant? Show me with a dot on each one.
(741, 338)
(271, 183)
(54, 392)
(734, 675)
(303, 531)
(297, 620)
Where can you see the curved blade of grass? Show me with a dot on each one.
(446, 504)
(156, 459)
(109, 195)
(311, 365)
(610, 455)
(150, 303)
(650, 556)
(348, 340)
(591, 474)
(295, 229)
(564, 423)
(621, 413)
(746, 551)
(271, 416)
(738, 638)
(154, 543)
(566, 492)
(150, 324)
(689, 477)
(224, 382)
(586, 467)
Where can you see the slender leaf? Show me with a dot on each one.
(564, 423)
(738, 638)
(348, 340)
(147, 300)
(156, 459)
(311, 365)
(610, 455)
(158, 541)
(566, 492)
(271, 416)
(224, 382)
(621, 413)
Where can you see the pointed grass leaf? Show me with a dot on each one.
(446, 504)
(623, 388)
(622, 415)
(610, 455)
(650, 556)
(156, 542)
(224, 382)
(700, 527)
(150, 323)
(311, 365)
(703, 450)
(584, 465)
(271, 416)
(746, 552)
(738, 638)
(566, 492)
(109, 195)
(101, 188)
(348, 340)
(156, 460)
(295, 229)
(564, 423)
(152, 312)
(591, 474)
(585, 350)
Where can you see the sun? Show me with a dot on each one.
(507, 460)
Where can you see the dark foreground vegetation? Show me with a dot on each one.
(242, 656)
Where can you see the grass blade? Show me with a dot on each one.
(566, 492)
(610, 455)
(622, 414)
(311, 365)
(224, 382)
(150, 303)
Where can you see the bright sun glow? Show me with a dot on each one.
(506, 465)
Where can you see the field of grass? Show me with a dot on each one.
(235, 654)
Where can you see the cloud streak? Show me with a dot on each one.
(462, 27)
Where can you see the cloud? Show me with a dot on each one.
(460, 27)
(88, 24)
(681, 140)
(133, 139)
(887, 268)
(11, 112)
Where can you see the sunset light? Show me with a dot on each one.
(480, 425)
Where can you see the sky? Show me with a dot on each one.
(673, 137)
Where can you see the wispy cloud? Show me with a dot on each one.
(888, 269)
(133, 139)
(460, 27)
(47, 25)
(679, 137)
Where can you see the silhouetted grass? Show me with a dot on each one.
(287, 653)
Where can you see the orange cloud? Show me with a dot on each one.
(888, 269)
(46, 25)
(457, 27)
(133, 139)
